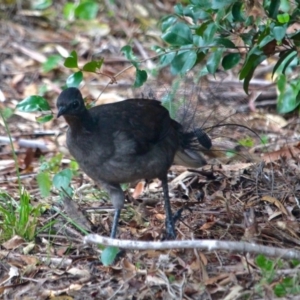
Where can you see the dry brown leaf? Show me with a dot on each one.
(276, 202)
(13, 243)
(274, 215)
(234, 293)
(28, 158)
(288, 151)
(160, 216)
(139, 189)
(203, 258)
(215, 279)
(79, 272)
(128, 265)
(152, 280)
(272, 122)
(207, 225)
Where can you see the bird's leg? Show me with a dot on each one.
(117, 198)
(170, 228)
(115, 223)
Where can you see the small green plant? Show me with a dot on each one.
(18, 218)
(82, 10)
(289, 285)
(246, 142)
(264, 139)
(51, 176)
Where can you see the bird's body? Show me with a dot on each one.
(124, 142)
(121, 144)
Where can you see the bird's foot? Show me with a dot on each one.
(179, 212)
(170, 230)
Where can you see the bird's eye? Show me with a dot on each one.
(75, 104)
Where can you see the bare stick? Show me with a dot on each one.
(210, 245)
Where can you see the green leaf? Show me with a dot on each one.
(218, 4)
(288, 282)
(263, 263)
(210, 33)
(128, 53)
(179, 34)
(69, 11)
(167, 58)
(246, 142)
(225, 42)
(295, 263)
(87, 10)
(183, 62)
(33, 103)
(283, 18)
(51, 63)
(74, 79)
(93, 65)
(264, 139)
(44, 183)
(125, 186)
(220, 15)
(178, 9)
(204, 4)
(72, 60)
(273, 8)
(201, 29)
(158, 49)
(140, 78)
(230, 60)
(214, 60)
(44, 119)
(248, 79)
(279, 32)
(167, 22)
(267, 39)
(281, 82)
(62, 179)
(237, 12)
(108, 255)
(280, 290)
(254, 57)
(41, 4)
(289, 94)
(286, 6)
(284, 60)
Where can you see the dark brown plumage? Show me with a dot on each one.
(127, 141)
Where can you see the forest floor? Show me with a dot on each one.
(248, 193)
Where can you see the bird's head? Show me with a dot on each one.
(70, 103)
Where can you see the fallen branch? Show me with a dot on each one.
(210, 245)
(25, 143)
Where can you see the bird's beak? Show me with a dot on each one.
(61, 111)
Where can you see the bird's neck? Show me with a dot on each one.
(81, 122)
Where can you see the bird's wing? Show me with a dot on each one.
(139, 123)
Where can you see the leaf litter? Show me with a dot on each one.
(249, 191)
